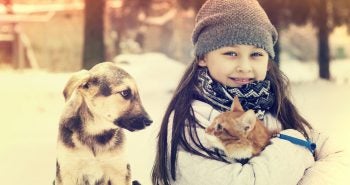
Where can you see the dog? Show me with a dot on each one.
(100, 104)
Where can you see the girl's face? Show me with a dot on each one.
(236, 65)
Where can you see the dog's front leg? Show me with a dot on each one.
(120, 176)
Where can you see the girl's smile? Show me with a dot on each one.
(241, 81)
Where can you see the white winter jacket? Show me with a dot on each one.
(280, 163)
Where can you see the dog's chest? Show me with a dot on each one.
(83, 165)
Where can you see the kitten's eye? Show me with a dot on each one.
(231, 53)
(246, 128)
(219, 127)
(126, 94)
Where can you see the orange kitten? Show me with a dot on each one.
(239, 134)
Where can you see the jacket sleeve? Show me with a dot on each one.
(280, 163)
(332, 163)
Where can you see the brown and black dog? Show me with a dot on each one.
(100, 104)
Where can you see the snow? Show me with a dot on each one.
(31, 103)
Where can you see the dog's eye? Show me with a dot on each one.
(86, 85)
(126, 94)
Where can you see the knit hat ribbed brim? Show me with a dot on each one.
(222, 23)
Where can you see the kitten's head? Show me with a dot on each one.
(231, 131)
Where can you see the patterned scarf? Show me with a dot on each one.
(255, 95)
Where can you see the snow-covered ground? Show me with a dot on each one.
(31, 103)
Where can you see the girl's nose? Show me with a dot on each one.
(244, 66)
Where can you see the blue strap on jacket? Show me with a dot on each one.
(308, 144)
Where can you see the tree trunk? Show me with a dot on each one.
(94, 48)
(323, 43)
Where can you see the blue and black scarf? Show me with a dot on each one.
(256, 95)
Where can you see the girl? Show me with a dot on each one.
(233, 44)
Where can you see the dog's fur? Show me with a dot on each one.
(99, 104)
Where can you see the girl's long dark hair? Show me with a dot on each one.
(185, 122)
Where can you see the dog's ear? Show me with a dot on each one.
(76, 80)
(72, 95)
(236, 105)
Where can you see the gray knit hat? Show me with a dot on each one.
(228, 22)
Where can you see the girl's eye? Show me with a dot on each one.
(231, 53)
(257, 54)
(126, 94)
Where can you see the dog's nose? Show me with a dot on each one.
(147, 121)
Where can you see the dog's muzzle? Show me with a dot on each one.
(133, 123)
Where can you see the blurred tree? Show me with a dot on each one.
(194, 4)
(129, 18)
(321, 19)
(325, 15)
(328, 14)
(277, 11)
(282, 13)
(93, 48)
(8, 5)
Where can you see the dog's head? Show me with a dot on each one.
(105, 97)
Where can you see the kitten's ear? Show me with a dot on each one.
(248, 121)
(236, 105)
